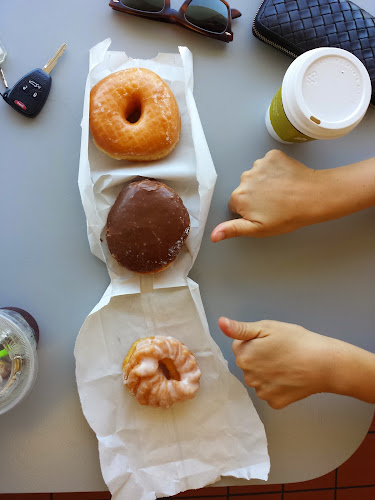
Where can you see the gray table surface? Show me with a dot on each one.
(322, 277)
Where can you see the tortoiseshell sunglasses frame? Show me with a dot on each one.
(169, 15)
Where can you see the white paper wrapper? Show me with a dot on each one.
(147, 453)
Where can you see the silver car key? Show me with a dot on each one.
(3, 54)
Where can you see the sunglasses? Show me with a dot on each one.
(212, 18)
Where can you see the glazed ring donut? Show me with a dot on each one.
(160, 371)
(134, 116)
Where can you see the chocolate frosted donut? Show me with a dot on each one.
(147, 226)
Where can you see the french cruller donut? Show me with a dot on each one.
(134, 116)
(160, 371)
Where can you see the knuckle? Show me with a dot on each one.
(265, 324)
(276, 404)
(241, 361)
(261, 393)
(237, 193)
(274, 153)
(233, 230)
(234, 199)
(241, 330)
(245, 175)
(235, 346)
(251, 382)
(248, 380)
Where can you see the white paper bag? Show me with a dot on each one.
(147, 453)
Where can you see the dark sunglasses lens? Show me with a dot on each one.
(210, 15)
(144, 5)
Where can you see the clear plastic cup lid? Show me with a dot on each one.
(18, 359)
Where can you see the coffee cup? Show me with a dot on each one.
(324, 94)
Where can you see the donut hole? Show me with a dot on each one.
(169, 370)
(133, 111)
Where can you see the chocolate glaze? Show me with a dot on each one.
(147, 226)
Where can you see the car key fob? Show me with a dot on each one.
(30, 93)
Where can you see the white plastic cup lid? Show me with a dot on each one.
(326, 92)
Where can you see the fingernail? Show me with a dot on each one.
(220, 235)
(231, 324)
(228, 323)
(225, 320)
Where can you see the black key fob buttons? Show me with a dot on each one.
(30, 93)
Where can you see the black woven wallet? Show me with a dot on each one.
(295, 26)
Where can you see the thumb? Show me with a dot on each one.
(239, 330)
(232, 229)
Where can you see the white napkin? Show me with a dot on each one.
(147, 453)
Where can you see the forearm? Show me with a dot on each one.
(344, 190)
(352, 372)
